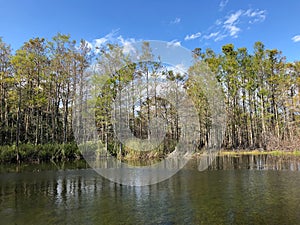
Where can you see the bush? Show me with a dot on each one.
(28, 151)
(8, 153)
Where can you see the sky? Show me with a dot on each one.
(191, 24)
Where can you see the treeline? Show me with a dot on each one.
(132, 96)
(38, 83)
(261, 95)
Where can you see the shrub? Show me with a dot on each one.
(8, 153)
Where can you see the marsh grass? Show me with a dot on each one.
(36, 153)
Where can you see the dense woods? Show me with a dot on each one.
(38, 83)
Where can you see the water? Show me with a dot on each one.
(234, 190)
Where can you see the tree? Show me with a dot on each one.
(5, 87)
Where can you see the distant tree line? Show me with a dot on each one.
(38, 83)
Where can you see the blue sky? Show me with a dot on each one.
(198, 23)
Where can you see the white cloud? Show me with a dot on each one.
(127, 44)
(220, 37)
(175, 21)
(100, 42)
(223, 4)
(296, 38)
(233, 30)
(192, 36)
(233, 18)
(211, 35)
(216, 36)
(232, 24)
(256, 15)
(174, 43)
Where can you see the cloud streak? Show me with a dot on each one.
(232, 18)
(256, 15)
(232, 24)
(174, 43)
(192, 36)
(296, 38)
(211, 35)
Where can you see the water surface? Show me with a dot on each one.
(233, 190)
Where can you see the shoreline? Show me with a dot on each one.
(259, 152)
(69, 153)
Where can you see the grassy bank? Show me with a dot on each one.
(37, 153)
(70, 152)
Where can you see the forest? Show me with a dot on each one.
(40, 81)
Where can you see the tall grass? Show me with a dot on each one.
(45, 152)
(131, 154)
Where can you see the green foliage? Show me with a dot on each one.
(7, 153)
(40, 82)
(46, 152)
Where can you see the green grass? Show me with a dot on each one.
(45, 152)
